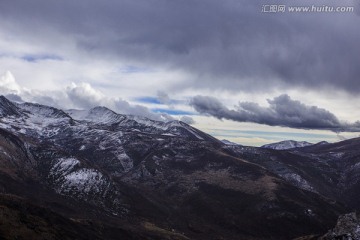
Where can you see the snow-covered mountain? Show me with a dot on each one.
(110, 174)
(288, 144)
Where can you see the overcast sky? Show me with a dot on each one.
(224, 66)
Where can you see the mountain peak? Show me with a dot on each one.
(3, 98)
(7, 107)
(101, 109)
(99, 114)
(43, 110)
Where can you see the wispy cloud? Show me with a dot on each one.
(188, 120)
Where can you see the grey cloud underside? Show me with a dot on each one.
(226, 44)
(282, 111)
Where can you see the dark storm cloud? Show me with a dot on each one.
(226, 44)
(282, 111)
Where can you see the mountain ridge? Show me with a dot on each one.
(287, 144)
(165, 180)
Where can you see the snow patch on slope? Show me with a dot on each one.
(83, 180)
(69, 177)
(298, 181)
(64, 165)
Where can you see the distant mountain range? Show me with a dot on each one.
(290, 144)
(284, 145)
(96, 174)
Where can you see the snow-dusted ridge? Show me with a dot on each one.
(285, 145)
(100, 114)
(104, 116)
(42, 110)
(36, 118)
(95, 145)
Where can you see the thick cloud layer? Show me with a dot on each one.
(282, 111)
(226, 44)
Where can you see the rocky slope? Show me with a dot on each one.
(154, 180)
(331, 170)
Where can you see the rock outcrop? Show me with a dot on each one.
(347, 228)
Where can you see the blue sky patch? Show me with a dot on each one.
(40, 57)
(134, 69)
(155, 100)
(152, 100)
(171, 111)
